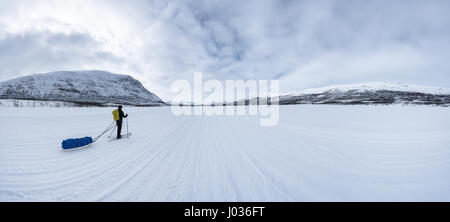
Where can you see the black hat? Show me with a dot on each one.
(120, 106)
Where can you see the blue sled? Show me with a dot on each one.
(76, 143)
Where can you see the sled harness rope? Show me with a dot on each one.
(112, 131)
(111, 126)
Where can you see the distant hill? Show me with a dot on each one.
(367, 94)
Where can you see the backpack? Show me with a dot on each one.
(115, 114)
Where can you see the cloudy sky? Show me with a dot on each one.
(302, 43)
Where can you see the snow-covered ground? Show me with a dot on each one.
(315, 153)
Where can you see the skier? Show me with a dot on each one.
(118, 116)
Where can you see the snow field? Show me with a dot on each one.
(315, 153)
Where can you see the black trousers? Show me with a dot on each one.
(119, 127)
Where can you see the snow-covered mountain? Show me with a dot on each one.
(80, 87)
(376, 86)
(369, 93)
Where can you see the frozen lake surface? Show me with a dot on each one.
(315, 153)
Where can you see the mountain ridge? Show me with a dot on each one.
(371, 93)
(374, 86)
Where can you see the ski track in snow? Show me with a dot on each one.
(315, 153)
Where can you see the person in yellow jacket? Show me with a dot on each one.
(118, 116)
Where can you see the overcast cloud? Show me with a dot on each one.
(302, 43)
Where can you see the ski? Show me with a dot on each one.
(123, 136)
